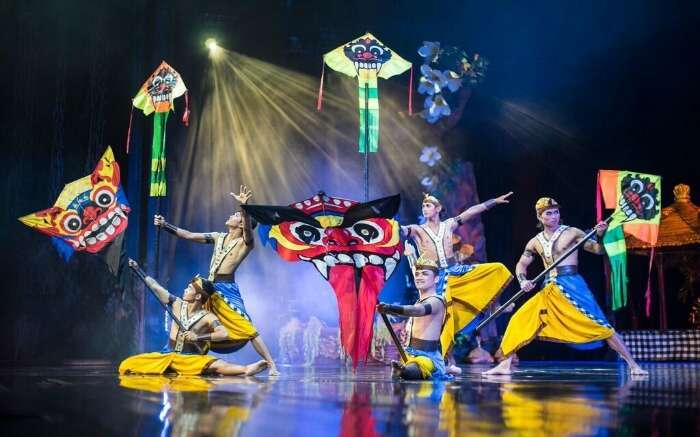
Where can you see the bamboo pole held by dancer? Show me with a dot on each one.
(394, 338)
(539, 277)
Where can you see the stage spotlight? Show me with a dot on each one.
(211, 44)
(215, 50)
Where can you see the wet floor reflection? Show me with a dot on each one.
(541, 399)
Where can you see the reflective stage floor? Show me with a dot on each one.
(541, 398)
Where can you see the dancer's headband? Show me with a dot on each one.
(545, 203)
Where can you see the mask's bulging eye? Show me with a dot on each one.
(358, 48)
(103, 197)
(376, 51)
(369, 232)
(72, 222)
(306, 233)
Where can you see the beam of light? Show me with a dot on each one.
(539, 133)
(215, 50)
(257, 125)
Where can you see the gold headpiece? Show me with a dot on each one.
(545, 203)
(203, 285)
(426, 264)
(427, 197)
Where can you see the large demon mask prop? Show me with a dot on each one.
(639, 199)
(354, 246)
(89, 214)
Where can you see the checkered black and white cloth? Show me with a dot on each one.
(666, 345)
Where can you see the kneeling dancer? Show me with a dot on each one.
(468, 288)
(424, 328)
(185, 353)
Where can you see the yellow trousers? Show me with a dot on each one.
(425, 365)
(240, 330)
(549, 315)
(157, 363)
(468, 295)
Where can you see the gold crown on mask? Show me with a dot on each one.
(545, 203)
(427, 264)
(427, 197)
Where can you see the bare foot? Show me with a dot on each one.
(499, 370)
(638, 371)
(255, 368)
(453, 370)
(273, 371)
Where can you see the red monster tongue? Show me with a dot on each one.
(356, 307)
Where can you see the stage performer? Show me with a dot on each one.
(230, 249)
(564, 310)
(181, 355)
(427, 319)
(468, 288)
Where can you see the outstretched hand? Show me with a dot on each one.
(504, 198)
(158, 220)
(243, 195)
(133, 264)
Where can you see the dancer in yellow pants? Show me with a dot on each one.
(564, 310)
(186, 350)
(467, 288)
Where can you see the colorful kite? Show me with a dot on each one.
(89, 214)
(354, 246)
(366, 58)
(157, 95)
(636, 198)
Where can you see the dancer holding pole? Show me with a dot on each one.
(564, 310)
(230, 249)
(423, 358)
(192, 329)
(468, 288)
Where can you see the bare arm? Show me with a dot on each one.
(244, 195)
(218, 331)
(247, 230)
(475, 210)
(197, 237)
(408, 231)
(593, 244)
(163, 295)
(417, 310)
(523, 263)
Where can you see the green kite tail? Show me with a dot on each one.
(158, 182)
(369, 115)
(614, 242)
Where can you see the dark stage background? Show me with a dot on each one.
(572, 87)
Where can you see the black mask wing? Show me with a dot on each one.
(274, 215)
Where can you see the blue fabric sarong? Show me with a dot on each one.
(231, 294)
(454, 270)
(577, 292)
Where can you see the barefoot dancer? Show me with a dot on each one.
(424, 328)
(565, 309)
(230, 249)
(181, 355)
(468, 288)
